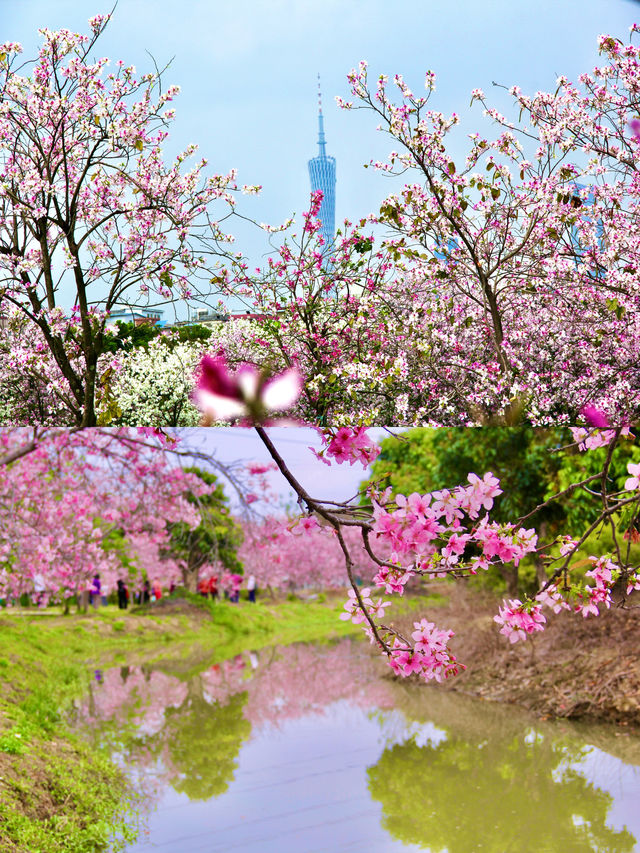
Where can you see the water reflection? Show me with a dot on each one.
(203, 742)
(188, 733)
(317, 746)
(513, 792)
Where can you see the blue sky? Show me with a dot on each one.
(234, 444)
(248, 73)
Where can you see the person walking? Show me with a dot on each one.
(94, 593)
(251, 588)
(213, 587)
(122, 595)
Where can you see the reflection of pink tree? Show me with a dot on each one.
(132, 696)
(306, 679)
(281, 683)
(165, 727)
(292, 682)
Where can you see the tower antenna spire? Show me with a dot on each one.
(322, 173)
(321, 140)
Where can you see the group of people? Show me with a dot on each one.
(208, 587)
(95, 595)
(148, 592)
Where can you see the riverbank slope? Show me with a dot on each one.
(577, 668)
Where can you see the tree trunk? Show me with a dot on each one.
(190, 579)
(510, 577)
(89, 410)
(541, 572)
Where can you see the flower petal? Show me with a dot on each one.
(282, 391)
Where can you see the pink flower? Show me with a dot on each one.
(552, 598)
(226, 396)
(255, 468)
(568, 545)
(517, 621)
(351, 445)
(307, 524)
(633, 482)
(594, 417)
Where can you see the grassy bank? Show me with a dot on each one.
(56, 794)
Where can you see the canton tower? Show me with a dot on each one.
(322, 172)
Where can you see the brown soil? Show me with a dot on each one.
(577, 668)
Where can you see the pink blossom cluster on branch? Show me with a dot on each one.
(449, 533)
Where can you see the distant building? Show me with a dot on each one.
(137, 316)
(250, 315)
(204, 317)
(209, 318)
(322, 172)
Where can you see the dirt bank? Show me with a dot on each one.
(577, 668)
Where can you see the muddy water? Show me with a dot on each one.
(314, 748)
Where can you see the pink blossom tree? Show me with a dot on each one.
(79, 503)
(101, 215)
(506, 287)
(300, 553)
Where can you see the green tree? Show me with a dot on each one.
(577, 466)
(194, 333)
(130, 336)
(215, 540)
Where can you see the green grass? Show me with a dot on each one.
(55, 793)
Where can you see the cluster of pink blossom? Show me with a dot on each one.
(427, 535)
(429, 657)
(604, 573)
(552, 598)
(633, 482)
(518, 619)
(428, 530)
(354, 610)
(589, 439)
(347, 444)
(633, 582)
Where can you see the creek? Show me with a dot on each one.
(315, 748)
